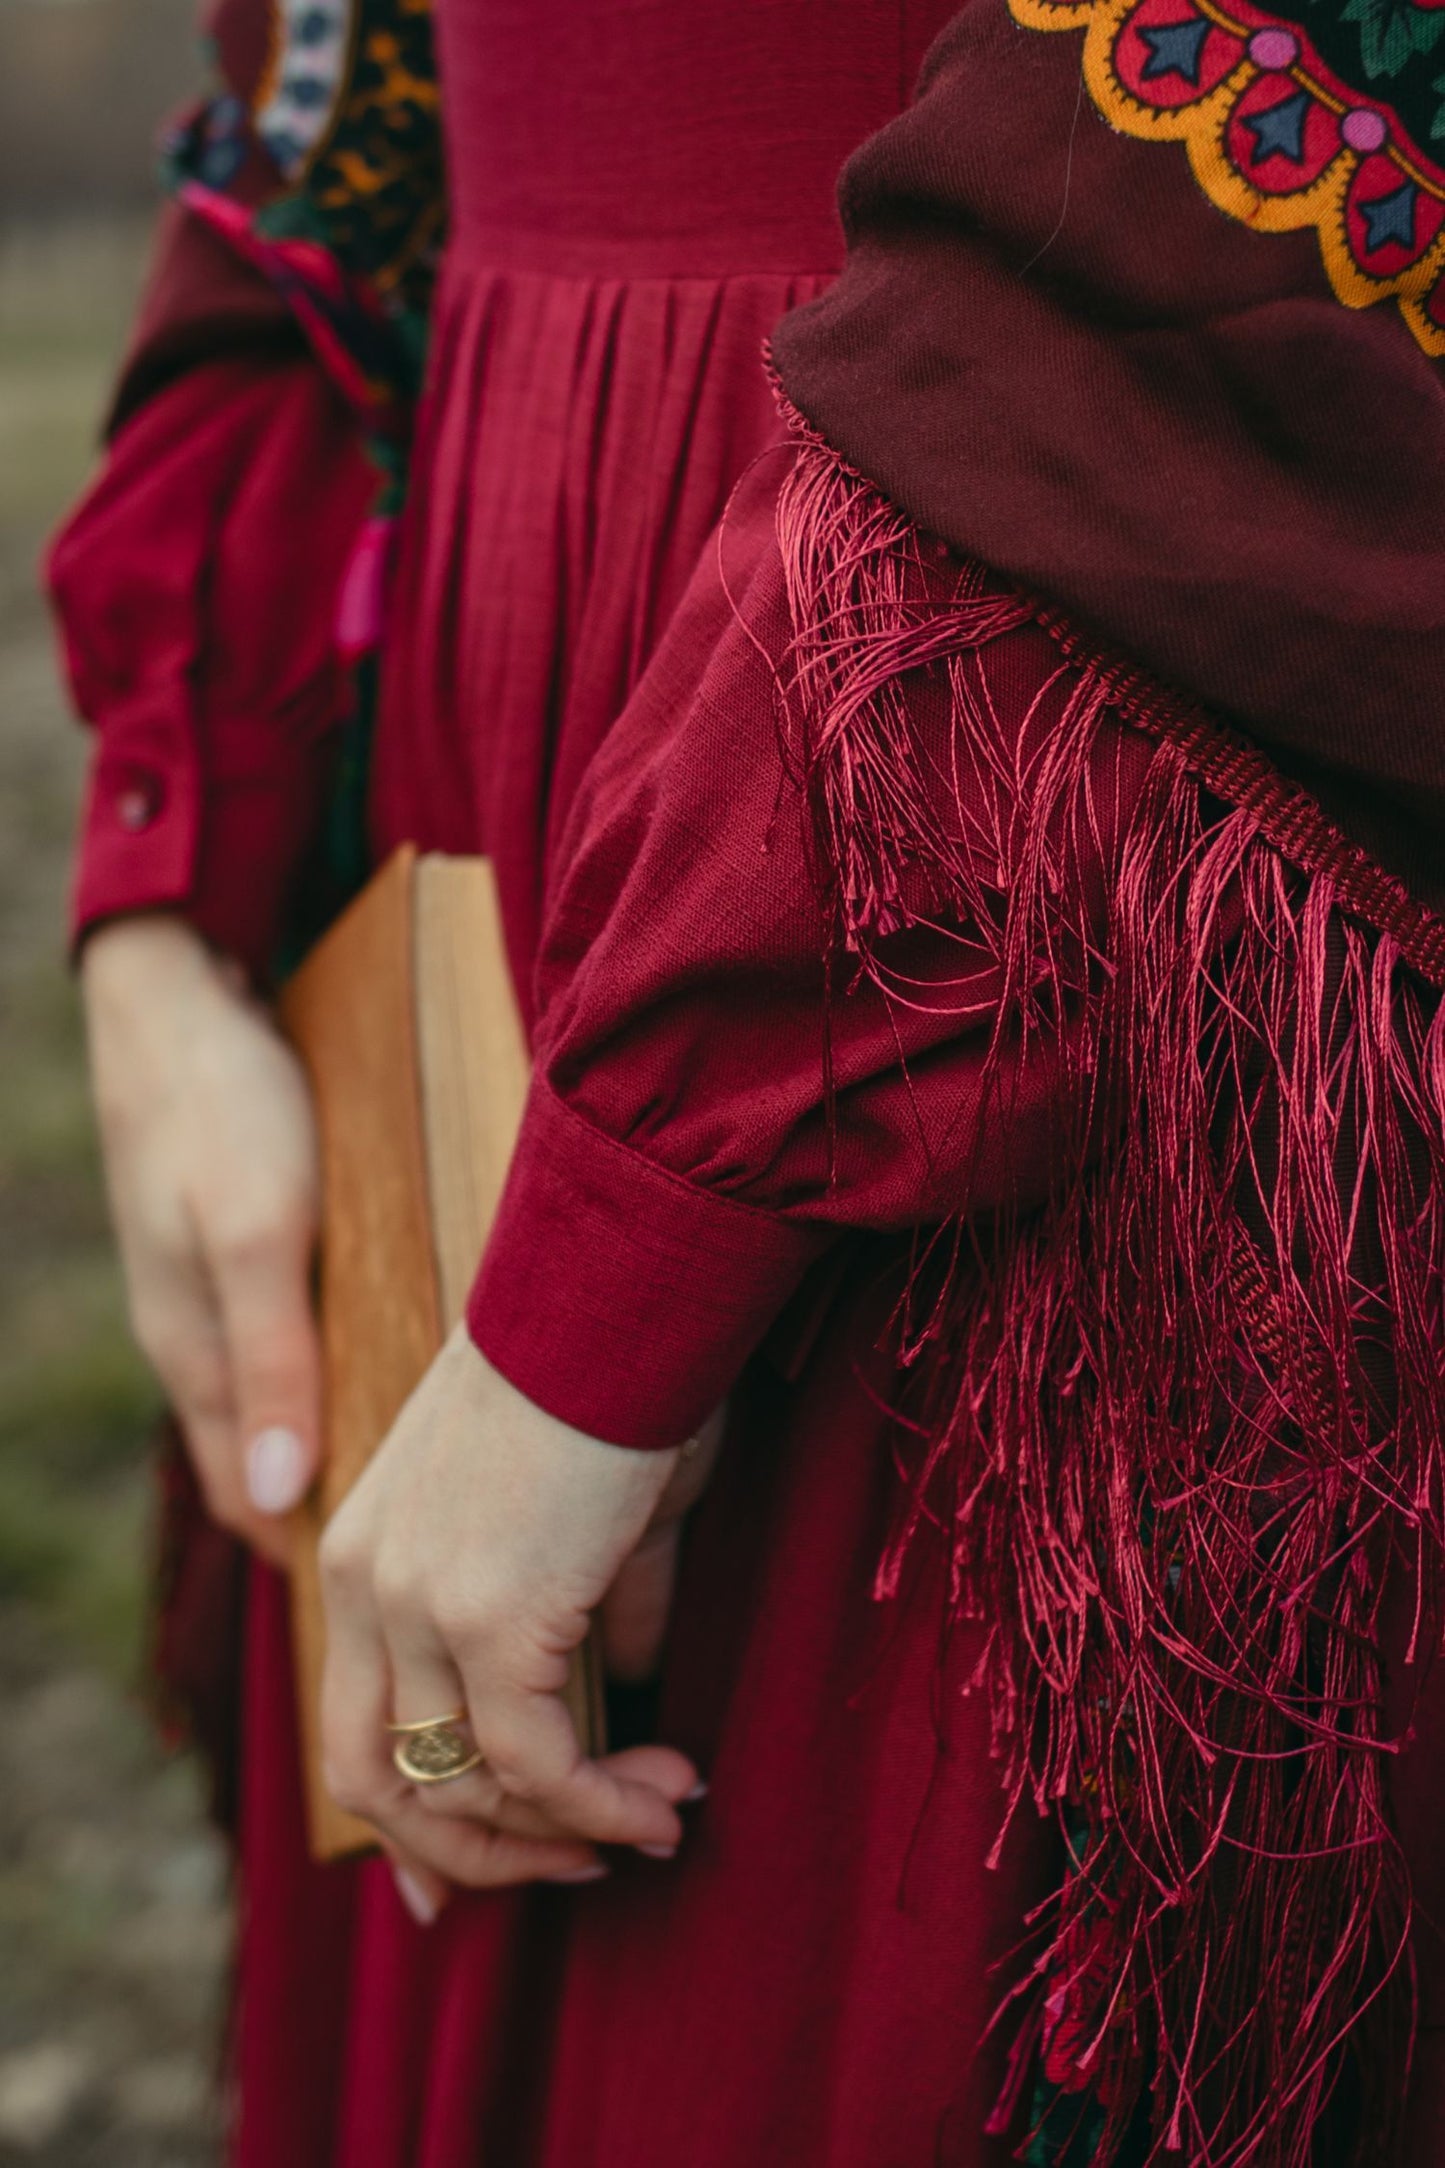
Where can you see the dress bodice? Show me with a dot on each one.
(636, 138)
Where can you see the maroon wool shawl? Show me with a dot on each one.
(1184, 1428)
(1048, 347)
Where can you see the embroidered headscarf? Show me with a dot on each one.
(1058, 345)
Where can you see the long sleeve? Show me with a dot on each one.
(197, 583)
(683, 1160)
(196, 586)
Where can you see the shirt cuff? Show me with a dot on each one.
(616, 1295)
(140, 825)
(223, 852)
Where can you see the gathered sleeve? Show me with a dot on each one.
(197, 583)
(718, 1094)
(196, 587)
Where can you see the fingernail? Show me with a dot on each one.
(421, 1907)
(690, 1799)
(659, 1851)
(275, 1470)
(598, 1873)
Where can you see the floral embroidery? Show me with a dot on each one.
(348, 115)
(1276, 138)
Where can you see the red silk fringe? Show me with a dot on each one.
(1182, 1425)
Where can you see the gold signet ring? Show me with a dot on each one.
(435, 1751)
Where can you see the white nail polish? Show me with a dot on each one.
(275, 1470)
(690, 1799)
(414, 1897)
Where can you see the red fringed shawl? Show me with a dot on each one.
(1182, 1428)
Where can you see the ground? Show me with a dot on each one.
(113, 1915)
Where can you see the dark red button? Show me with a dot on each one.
(138, 803)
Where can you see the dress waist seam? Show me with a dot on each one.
(600, 260)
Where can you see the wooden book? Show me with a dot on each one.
(404, 1017)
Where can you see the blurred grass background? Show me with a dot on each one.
(73, 1398)
(113, 1925)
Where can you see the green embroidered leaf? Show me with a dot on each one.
(1392, 32)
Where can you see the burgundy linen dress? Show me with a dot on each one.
(585, 622)
(638, 193)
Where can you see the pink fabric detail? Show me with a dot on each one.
(1274, 48)
(1365, 130)
(361, 609)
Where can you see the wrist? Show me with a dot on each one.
(509, 1404)
(604, 1486)
(139, 951)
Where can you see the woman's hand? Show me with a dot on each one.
(460, 1574)
(210, 1158)
(634, 1613)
